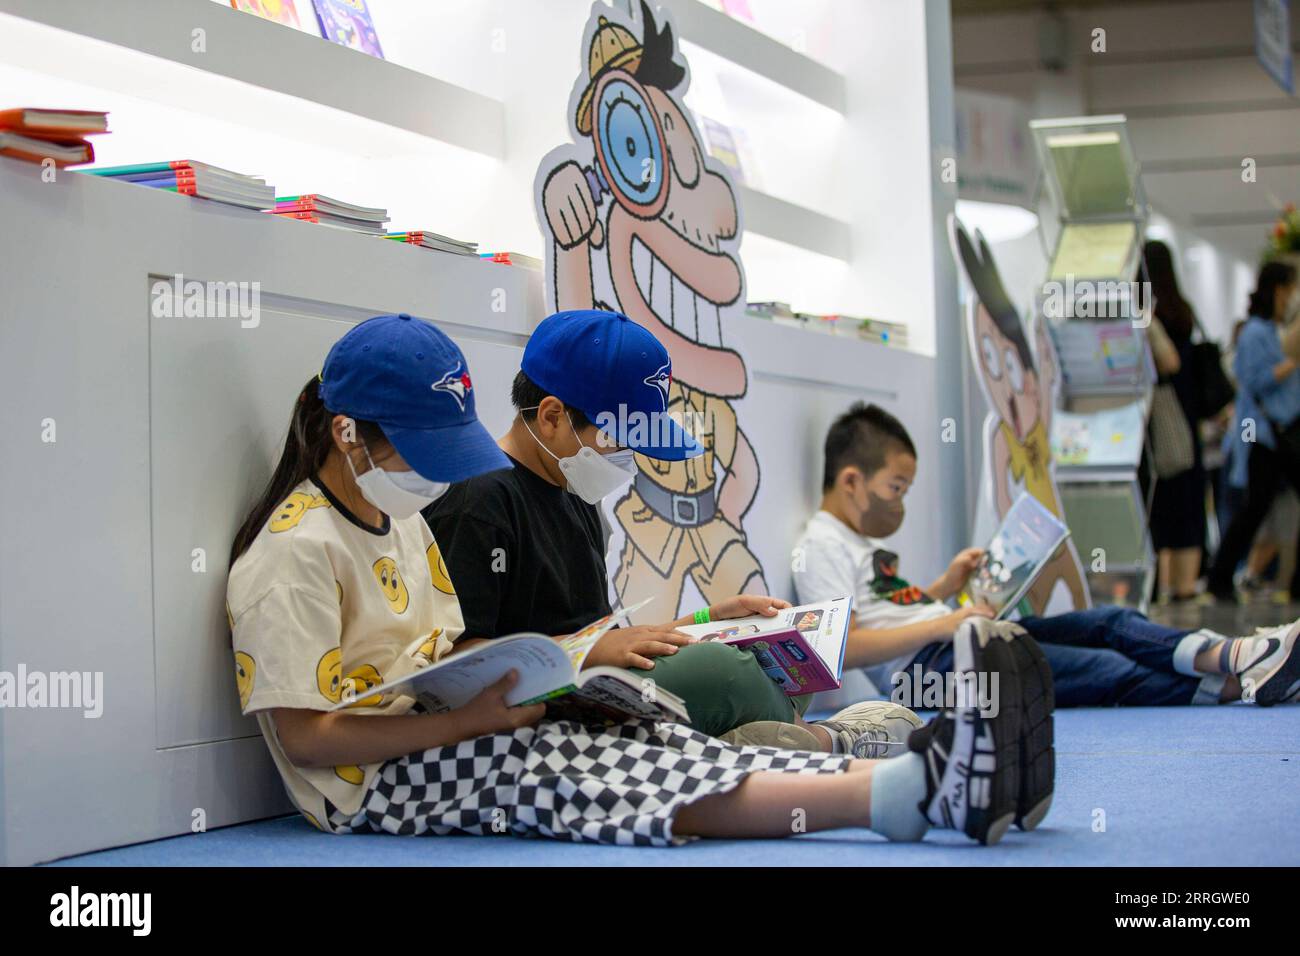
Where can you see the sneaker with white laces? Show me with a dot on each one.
(872, 729)
(972, 753)
(1268, 666)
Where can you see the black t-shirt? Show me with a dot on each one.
(523, 554)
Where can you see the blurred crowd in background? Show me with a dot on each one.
(1225, 437)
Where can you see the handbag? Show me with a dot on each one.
(1172, 452)
(1286, 439)
(1214, 390)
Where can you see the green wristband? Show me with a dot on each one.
(702, 617)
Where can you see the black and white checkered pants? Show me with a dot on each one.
(562, 779)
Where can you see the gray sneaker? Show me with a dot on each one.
(772, 733)
(872, 729)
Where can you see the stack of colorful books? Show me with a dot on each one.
(778, 312)
(36, 135)
(190, 178)
(432, 240)
(513, 259)
(324, 211)
(882, 332)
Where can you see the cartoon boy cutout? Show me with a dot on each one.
(1020, 389)
(641, 220)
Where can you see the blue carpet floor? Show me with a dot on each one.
(1156, 787)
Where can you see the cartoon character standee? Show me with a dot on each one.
(639, 219)
(1020, 388)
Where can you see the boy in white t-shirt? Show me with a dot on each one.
(1101, 656)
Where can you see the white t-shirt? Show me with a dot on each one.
(322, 607)
(836, 561)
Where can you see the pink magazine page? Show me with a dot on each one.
(784, 654)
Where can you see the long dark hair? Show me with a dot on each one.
(305, 449)
(1173, 311)
(1272, 275)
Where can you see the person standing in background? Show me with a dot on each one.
(1268, 409)
(1178, 508)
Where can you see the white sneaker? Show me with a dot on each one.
(873, 729)
(1269, 666)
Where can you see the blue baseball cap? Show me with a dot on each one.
(604, 364)
(412, 381)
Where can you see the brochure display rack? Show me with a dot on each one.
(1090, 303)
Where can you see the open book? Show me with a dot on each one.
(1027, 539)
(802, 648)
(550, 670)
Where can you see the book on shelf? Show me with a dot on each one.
(433, 240)
(1107, 438)
(513, 259)
(801, 648)
(56, 125)
(722, 147)
(1096, 250)
(32, 150)
(1102, 356)
(362, 226)
(550, 671)
(192, 178)
(315, 202)
(771, 310)
(826, 324)
(279, 11)
(35, 135)
(348, 23)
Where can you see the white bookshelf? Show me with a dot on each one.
(795, 225)
(758, 52)
(282, 60)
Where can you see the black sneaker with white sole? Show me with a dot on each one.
(972, 751)
(1037, 732)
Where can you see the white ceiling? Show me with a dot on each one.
(1185, 74)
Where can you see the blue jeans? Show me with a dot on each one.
(1103, 657)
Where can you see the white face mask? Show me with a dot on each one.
(589, 474)
(398, 494)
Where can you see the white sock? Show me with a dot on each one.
(897, 789)
(1190, 646)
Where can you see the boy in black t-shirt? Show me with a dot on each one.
(526, 549)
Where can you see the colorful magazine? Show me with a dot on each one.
(277, 11)
(802, 648)
(348, 23)
(1112, 437)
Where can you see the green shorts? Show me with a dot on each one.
(724, 688)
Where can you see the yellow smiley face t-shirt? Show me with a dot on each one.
(322, 609)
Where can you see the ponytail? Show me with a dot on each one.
(305, 449)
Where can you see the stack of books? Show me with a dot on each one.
(778, 312)
(432, 240)
(36, 135)
(827, 324)
(513, 259)
(190, 178)
(879, 331)
(871, 330)
(325, 211)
